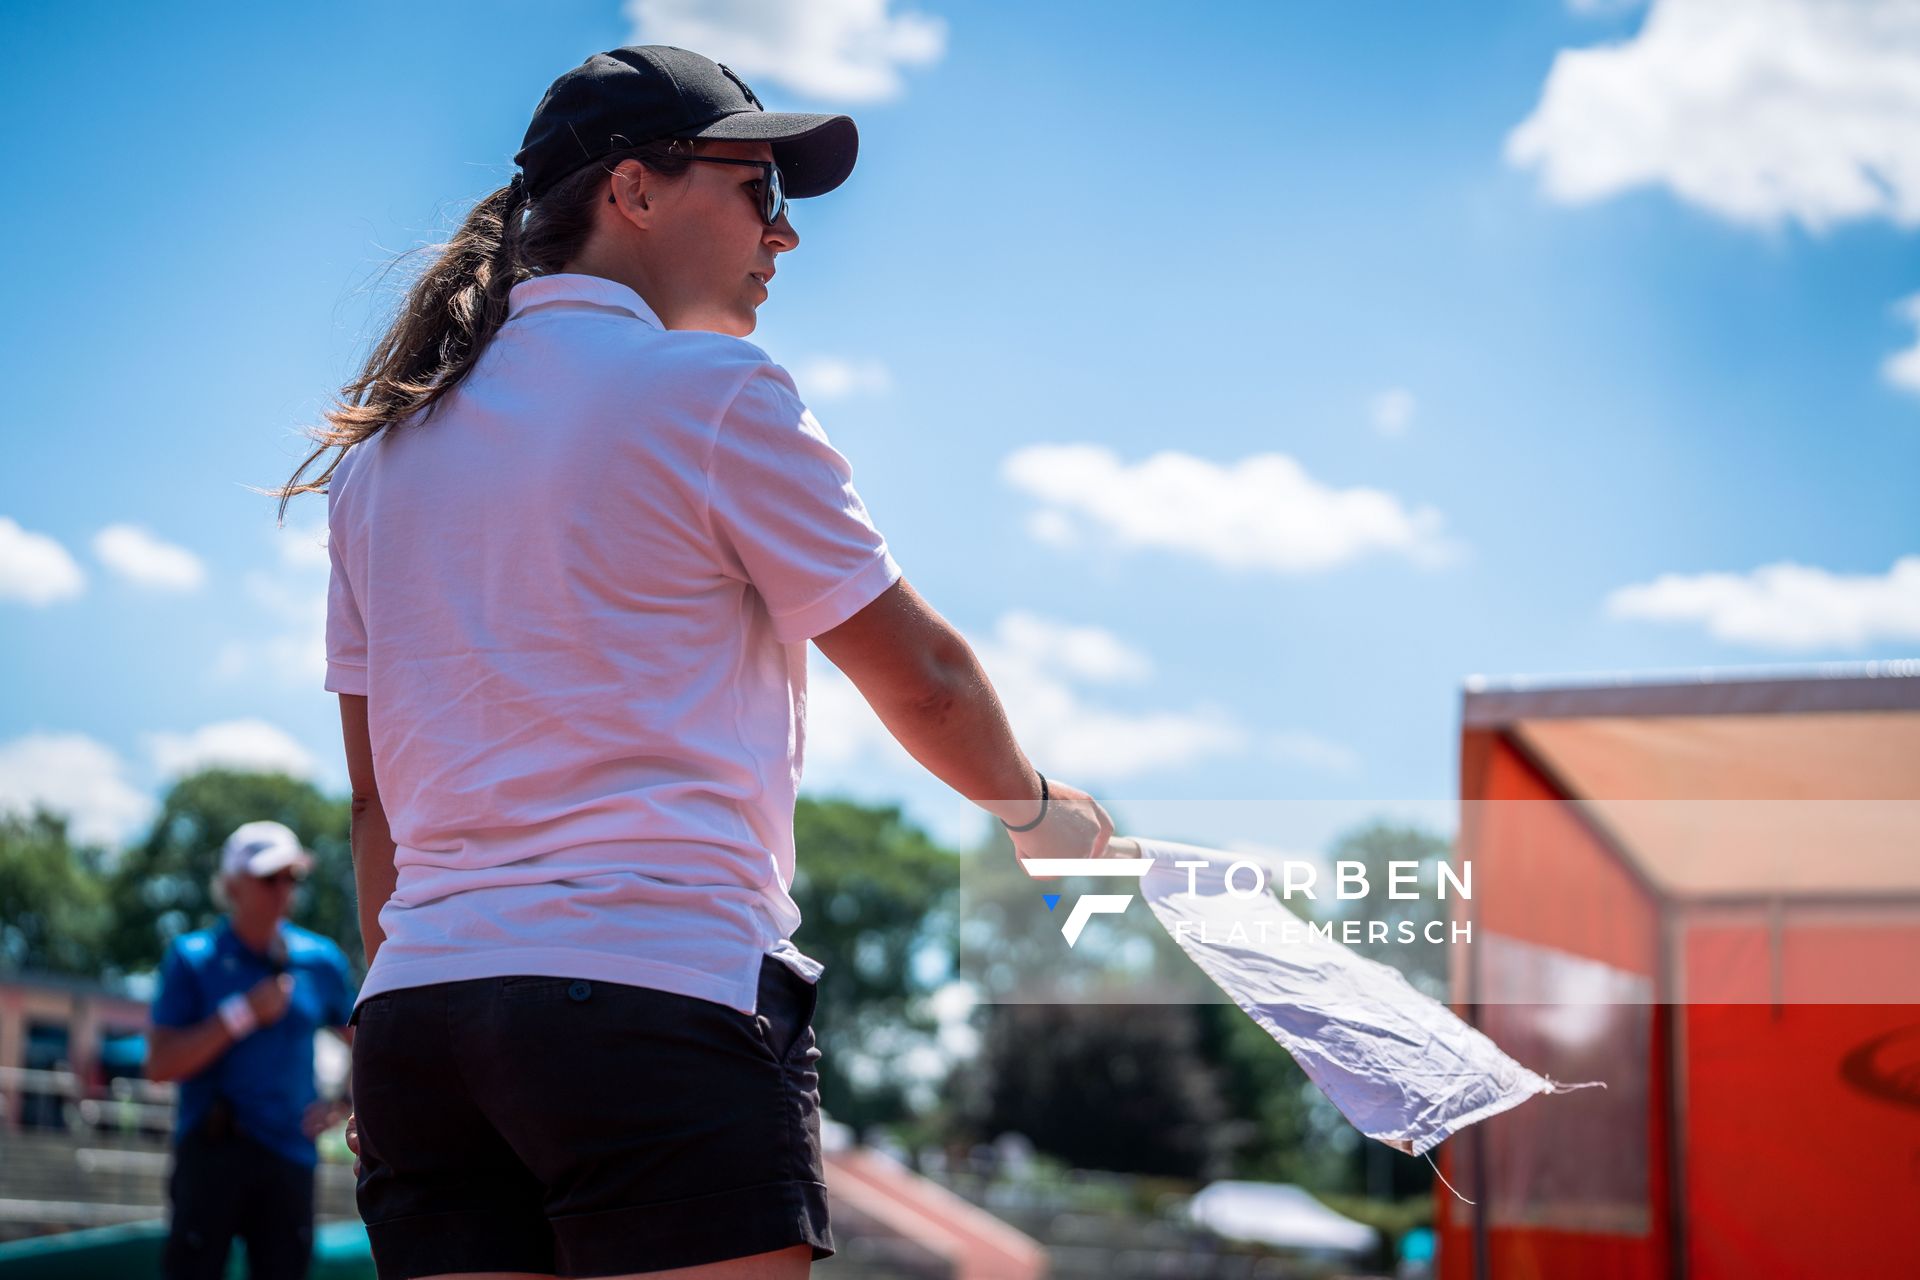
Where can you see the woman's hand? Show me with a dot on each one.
(353, 1140)
(1075, 827)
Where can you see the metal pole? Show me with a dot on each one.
(1672, 927)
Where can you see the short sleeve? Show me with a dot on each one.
(346, 629)
(784, 513)
(177, 1003)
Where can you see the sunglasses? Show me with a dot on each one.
(773, 188)
(279, 879)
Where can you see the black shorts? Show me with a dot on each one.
(225, 1184)
(586, 1128)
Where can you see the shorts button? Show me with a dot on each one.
(580, 990)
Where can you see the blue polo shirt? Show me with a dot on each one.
(267, 1077)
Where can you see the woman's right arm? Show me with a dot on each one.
(922, 679)
(374, 875)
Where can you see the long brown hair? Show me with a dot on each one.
(459, 301)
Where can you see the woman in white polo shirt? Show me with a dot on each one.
(582, 532)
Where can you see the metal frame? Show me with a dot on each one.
(1851, 686)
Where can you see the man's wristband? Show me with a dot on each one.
(236, 1014)
(1043, 810)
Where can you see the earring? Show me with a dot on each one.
(609, 197)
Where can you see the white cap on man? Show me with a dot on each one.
(262, 848)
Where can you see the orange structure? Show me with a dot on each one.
(961, 1239)
(1704, 891)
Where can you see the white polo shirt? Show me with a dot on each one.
(578, 599)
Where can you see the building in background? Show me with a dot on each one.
(51, 1024)
(1706, 893)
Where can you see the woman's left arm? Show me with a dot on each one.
(374, 875)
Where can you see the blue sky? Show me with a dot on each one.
(1239, 378)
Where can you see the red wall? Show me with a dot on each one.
(1542, 876)
(1802, 1119)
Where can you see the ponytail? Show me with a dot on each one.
(460, 301)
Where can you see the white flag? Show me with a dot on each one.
(1397, 1063)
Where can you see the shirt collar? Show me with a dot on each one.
(572, 287)
(232, 938)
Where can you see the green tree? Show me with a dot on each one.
(877, 900)
(1270, 1137)
(53, 901)
(1011, 945)
(163, 886)
(1094, 1053)
(1375, 845)
(1118, 1087)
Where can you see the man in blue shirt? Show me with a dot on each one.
(234, 1022)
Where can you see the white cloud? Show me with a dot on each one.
(296, 653)
(138, 556)
(34, 568)
(1392, 411)
(1757, 110)
(1785, 606)
(73, 775)
(1054, 528)
(1262, 513)
(831, 50)
(304, 546)
(87, 781)
(1902, 368)
(831, 378)
(1039, 668)
(1050, 686)
(841, 727)
(252, 745)
(1092, 654)
(294, 603)
(1099, 745)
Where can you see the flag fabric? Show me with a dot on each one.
(1400, 1065)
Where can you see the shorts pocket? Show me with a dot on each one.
(785, 1020)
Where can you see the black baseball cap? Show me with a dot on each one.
(643, 93)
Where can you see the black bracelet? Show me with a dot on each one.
(1043, 809)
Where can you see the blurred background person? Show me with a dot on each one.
(234, 1022)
